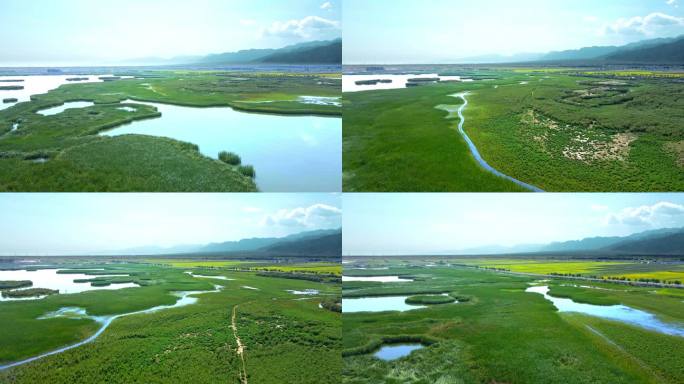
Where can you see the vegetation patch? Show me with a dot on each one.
(30, 292)
(430, 299)
(12, 284)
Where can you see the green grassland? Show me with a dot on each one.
(631, 270)
(286, 337)
(556, 129)
(502, 334)
(309, 267)
(80, 160)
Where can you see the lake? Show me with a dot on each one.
(398, 81)
(620, 313)
(35, 85)
(381, 279)
(208, 277)
(377, 304)
(395, 351)
(289, 153)
(64, 283)
(64, 107)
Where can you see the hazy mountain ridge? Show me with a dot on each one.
(310, 52)
(296, 243)
(664, 242)
(664, 50)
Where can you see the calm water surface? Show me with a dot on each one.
(35, 85)
(377, 304)
(289, 153)
(613, 312)
(398, 81)
(381, 279)
(64, 107)
(49, 278)
(395, 351)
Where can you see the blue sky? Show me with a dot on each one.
(439, 31)
(43, 223)
(386, 224)
(86, 32)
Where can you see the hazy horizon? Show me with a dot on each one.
(419, 224)
(78, 224)
(44, 33)
(449, 32)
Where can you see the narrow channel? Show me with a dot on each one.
(183, 300)
(476, 153)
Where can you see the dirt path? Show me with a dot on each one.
(240, 346)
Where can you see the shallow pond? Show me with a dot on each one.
(35, 85)
(621, 313)
(307, 292)
(396, 351)
(381, 279)
(398, 81)
(377, 304)
(208, 277)
(49, 278)
(61, 108)
(289, 153)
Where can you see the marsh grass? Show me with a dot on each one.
(229, 158)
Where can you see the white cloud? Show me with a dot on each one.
(646, 25)
(328, 5)
(663, 213)
(307, 27)
(672, 3)
(314, 216)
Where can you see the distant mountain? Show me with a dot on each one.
(667, 53)
(317, 241)
(609, 243)
(329, 53)
(500, 59)
(663, 244)
(590, 53)
(312, 52)
(326, 245)
(498, 249)
(262, 243)
(658, 242)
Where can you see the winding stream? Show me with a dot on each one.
(620, 313)
(80, 313)
(476, 153)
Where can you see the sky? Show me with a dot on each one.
(85, 32)
(404, 224)
(57, 224)
(445, 31)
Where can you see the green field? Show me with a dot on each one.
(498, 333)
(631, 270)
(78, 159)
(286, 337)
(557, 129)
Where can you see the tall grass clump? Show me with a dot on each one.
(247, 170)
(229, 158)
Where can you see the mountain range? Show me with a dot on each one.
(658, 242)
(325, 242)
(312, 52)
(653, 51)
